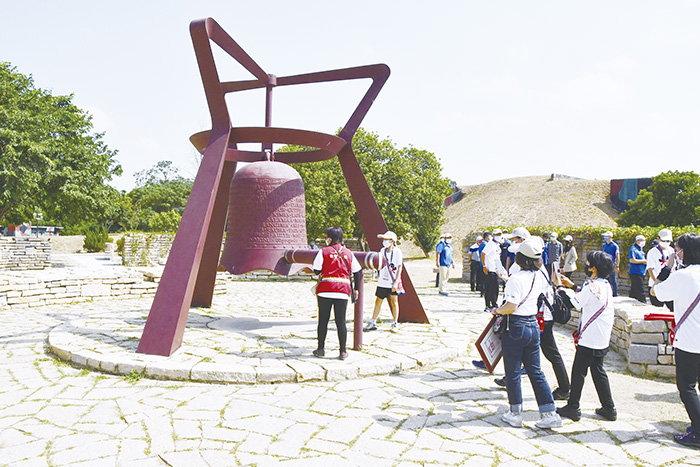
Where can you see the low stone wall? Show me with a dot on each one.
(24, 253)
(145, 250)
(17, 292)
(644, 344)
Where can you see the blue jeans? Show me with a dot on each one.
(612, 278)
(521, 345)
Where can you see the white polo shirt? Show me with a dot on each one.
(518, 287)
(657, 258)
(682, 287)
(492, 258)
(593, 295)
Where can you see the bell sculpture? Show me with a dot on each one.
(266, 217)
(263, 200)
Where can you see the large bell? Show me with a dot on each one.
(266, 216)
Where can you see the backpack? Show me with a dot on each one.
(561, 312)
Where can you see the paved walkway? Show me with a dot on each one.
(55, 414)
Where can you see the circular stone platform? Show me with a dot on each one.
(259, 332)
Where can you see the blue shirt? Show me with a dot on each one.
(636, 252)
(444, 249)
(545, 253)
(482, 245)
(612, 249)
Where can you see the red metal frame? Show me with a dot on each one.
(189, 275)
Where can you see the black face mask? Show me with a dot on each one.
(587, 271)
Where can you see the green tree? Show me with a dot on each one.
(49, 157)
(159, 190)
(406, 183)
(672, 199)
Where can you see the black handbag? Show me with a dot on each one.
(500, 325)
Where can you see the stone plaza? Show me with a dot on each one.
(407, 399)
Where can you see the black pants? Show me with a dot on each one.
(637, 287)
(324, 315)
(655, 301)
(551, 353)
(491, 290)
(590, 358)
(475, 267)
(687, 375)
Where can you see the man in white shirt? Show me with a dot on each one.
(658, 258)
(493, 268)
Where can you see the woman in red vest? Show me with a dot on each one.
(334, 264)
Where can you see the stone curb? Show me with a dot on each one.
(68, 343)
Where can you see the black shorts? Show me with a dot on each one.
(383, 292)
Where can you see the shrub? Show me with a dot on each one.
(95, 239)
(165, 221)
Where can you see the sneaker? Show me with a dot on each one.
(446, 294)
(688, 439)
(487, 309)
(394, 327)
(608, 414)
(559, 395)
(570, 412)
(343, 355)
(319, 353)
(513, 419)
(371, 326)
(549, 420)
(479, 364)
(500, 381)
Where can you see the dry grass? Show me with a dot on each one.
(531, 201)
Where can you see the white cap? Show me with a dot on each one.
(666, 235)
(553, 235)
(532, 247)
(569, 238)
(607, 234)
(448, 235)
(496, 232)
(479, 238)
(640, 237)
(520, 232)
(389, 235)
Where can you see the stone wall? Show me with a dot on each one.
(17, 292)
(24, 253)
(145, 250)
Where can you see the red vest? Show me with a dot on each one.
(335, 276)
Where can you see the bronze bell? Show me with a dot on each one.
(267, 216)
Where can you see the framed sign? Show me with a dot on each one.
(489, 346)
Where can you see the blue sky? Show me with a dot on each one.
(593, 89)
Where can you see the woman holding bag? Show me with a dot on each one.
(521, 339)
(595, 300)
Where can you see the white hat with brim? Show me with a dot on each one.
(569, 238)
(520, 232)
(389, 235)
(639, 237)
(666, 235)
(607, 234)
(532, 248)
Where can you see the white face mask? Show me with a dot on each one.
(665, 244)
(448, 240)
(387, 243)
(642, 243)
(328, 241)
(498, 238)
